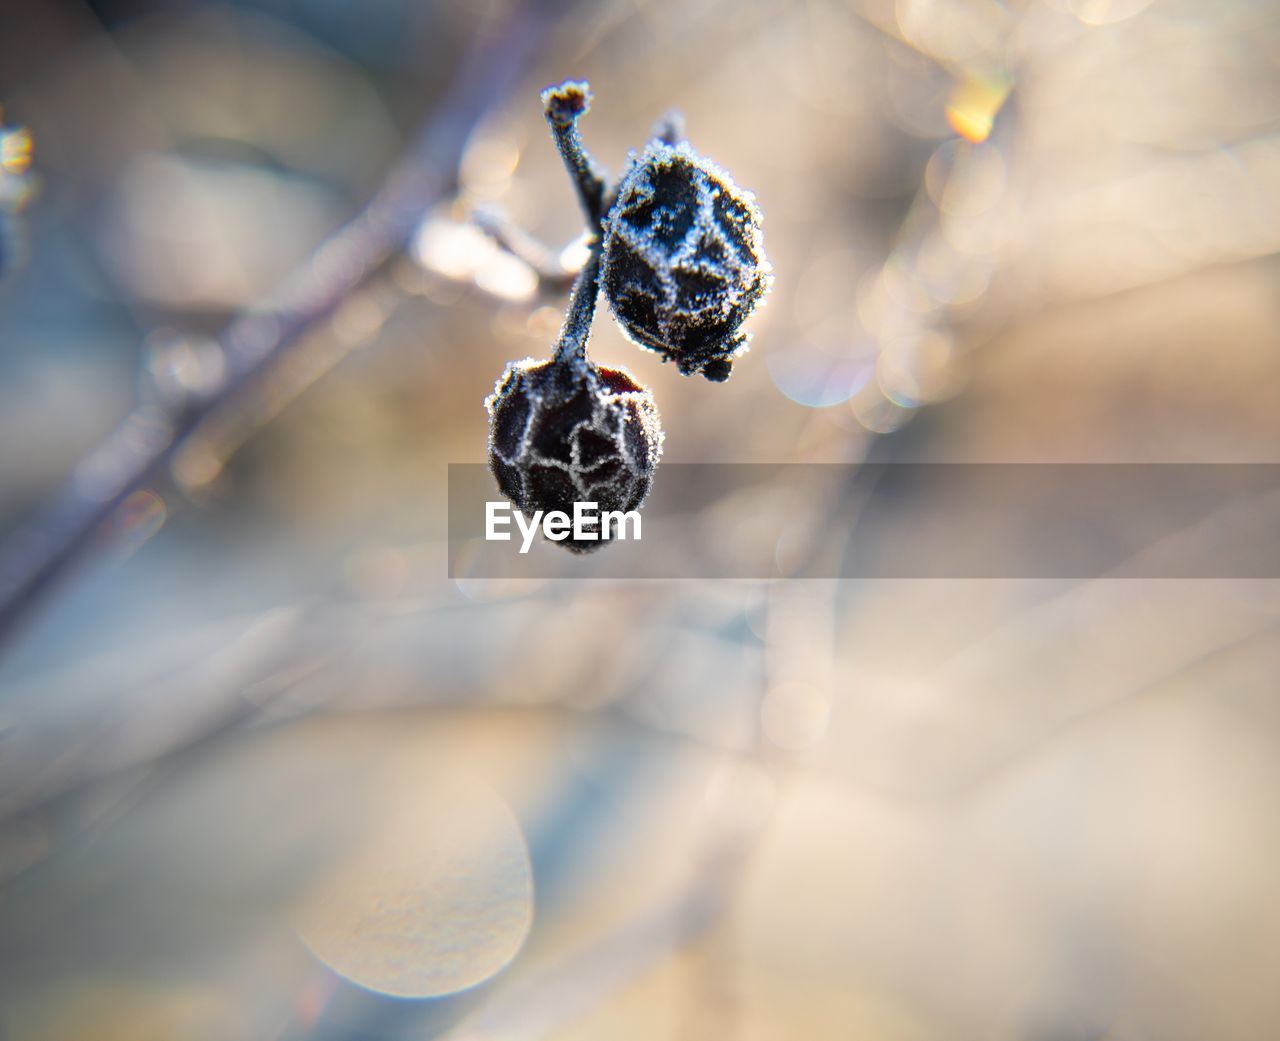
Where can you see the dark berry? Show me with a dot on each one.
(566, 431)
(684, 262)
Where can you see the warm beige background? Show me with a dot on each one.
(894, 811)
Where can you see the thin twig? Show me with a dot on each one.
(139, 453)
(553, 277)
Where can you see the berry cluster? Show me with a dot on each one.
(676, 247)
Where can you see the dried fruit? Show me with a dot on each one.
(561, 434)
(684, 264)
(565, 430)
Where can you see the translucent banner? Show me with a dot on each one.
(891, 520)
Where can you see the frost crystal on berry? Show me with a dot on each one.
(684, 262)
(566, 431)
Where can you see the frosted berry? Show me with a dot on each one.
(676, 248)
(565, 430)
(684, 263)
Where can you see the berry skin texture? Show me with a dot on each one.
(565, 431)
(684, 262)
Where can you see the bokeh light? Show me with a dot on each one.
(436, 899)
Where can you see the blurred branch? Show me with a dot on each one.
(553, 277)
(140, 451)
(52, 755)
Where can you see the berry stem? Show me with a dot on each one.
(572, 345)
(670, 129)
(563, 105)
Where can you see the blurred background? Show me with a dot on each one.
(267, 773)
